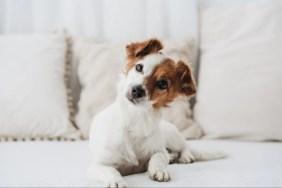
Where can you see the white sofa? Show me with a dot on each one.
(64, 164)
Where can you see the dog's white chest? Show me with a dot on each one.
(126, 141)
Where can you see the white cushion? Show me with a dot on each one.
(99, 65)
(240, 79)
(33, 99)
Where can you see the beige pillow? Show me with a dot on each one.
(99, 65)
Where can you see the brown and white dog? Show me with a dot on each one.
(130, 136)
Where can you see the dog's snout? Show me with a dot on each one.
(137, 92)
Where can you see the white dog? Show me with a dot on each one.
(130, 136)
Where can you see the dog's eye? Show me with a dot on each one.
(139, 68)
(162, 84)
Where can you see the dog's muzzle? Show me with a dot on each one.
(136, 94)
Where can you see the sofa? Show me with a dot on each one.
(233, 47)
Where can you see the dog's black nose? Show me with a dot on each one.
(137, 92)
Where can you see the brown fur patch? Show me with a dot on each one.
(179, 78)
(166, 71)
(185, 81)
(137, 51)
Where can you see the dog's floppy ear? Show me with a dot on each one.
(185, 83)
(141, 49)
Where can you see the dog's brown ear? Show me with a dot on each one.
(185, 83)
(141, 49)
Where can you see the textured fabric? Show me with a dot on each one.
(33, 97)
(99, 65)
(68, 77)
(239, 89)
(36, 164)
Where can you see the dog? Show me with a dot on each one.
(130, 135)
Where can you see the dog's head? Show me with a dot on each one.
(153, 79)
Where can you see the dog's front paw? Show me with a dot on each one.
(116, 184)
(186, 157)
(159, 175)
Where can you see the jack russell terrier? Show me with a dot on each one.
(130, 135)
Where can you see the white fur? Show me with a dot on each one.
(129, 138)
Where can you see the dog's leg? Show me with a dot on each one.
(158, 167)
(109, 176)
(175, 142)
